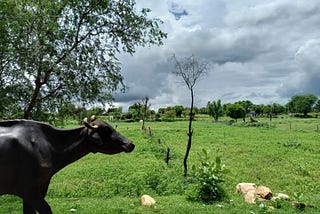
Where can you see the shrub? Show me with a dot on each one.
(209, 176)
(254, 124)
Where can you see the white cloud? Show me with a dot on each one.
(307, 77)
(264, 51)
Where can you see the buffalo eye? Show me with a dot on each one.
(106, 132)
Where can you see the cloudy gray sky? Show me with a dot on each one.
(260, 50)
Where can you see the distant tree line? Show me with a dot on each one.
(299, 105)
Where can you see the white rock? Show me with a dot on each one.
(243, 188)
(264, 192)
(147, 200)
(281, 196)
(250, 197)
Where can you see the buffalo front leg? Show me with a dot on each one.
(39, 205)
(27, 209)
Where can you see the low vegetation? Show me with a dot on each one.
(209, 176)
(283, 155)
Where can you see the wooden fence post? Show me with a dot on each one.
(168, 155)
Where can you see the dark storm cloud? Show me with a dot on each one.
(149, 80)
(261, 50)
(177, 10)
(301, 84)
(307, 76)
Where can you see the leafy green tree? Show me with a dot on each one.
(136, 111)
(66, 50)
(203, 110)
(186, 113)
(247, 105)
(215, 109)
(128, 116)
(169, 114)
(179, 110)
(81, 112)
(67, 110)
(302, 103)
(273, 109)
(258, 109)
(235, 111)
(161, 111)
(224, 107)
(95, 111)
(116, 113)
(277, 108)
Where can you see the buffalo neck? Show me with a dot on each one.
(69, 145)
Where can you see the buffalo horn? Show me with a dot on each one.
(85, 121)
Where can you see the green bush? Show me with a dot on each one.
(253, 124)
(209, 177)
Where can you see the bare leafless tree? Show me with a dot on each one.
(190, 69)
(144, 115)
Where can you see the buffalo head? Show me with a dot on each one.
(105, 139)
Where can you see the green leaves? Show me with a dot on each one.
(235, 111)
(215, 109)
(209, 175)
(67, 49)
(302, 103)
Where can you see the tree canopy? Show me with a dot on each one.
(215, 109)
(66, 50)
(302, 103)
(235, 111)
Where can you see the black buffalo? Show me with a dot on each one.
(32, 152)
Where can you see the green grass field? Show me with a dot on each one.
(284, 157)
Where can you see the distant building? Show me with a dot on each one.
(251, 114)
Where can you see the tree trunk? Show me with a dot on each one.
(190, 132)
(144, 116)
(33, 101)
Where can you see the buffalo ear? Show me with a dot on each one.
(85, 122)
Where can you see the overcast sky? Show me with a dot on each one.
(265, 51)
